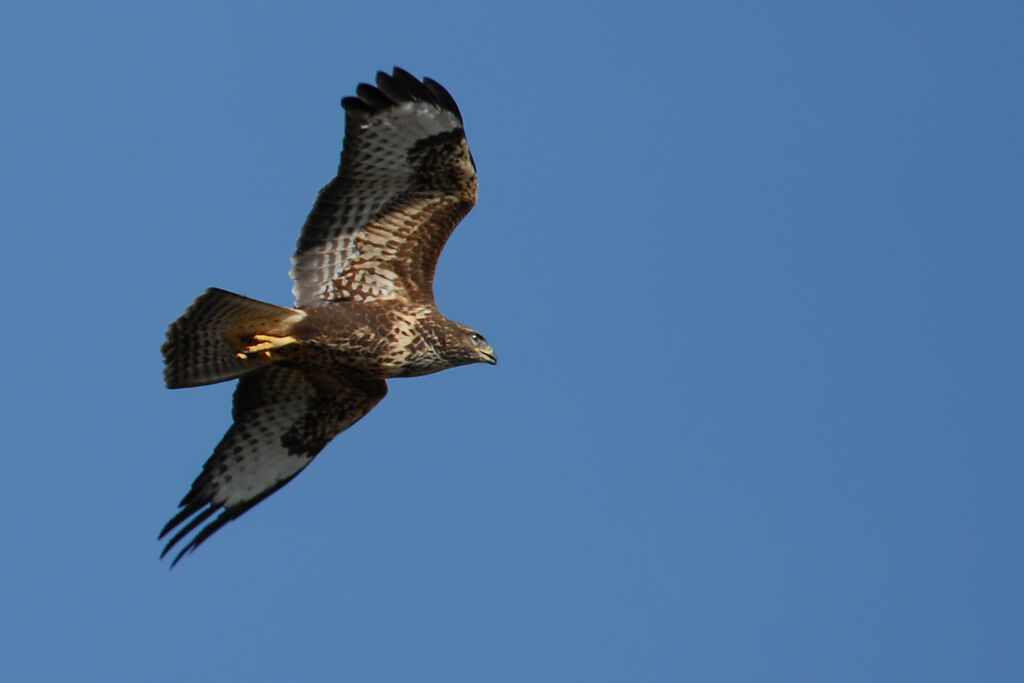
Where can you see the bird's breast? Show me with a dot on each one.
(371, 339)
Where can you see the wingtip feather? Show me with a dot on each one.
(395, 88)
(185, 530)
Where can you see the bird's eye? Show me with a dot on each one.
(477, 338)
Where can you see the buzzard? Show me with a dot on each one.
(364, 304)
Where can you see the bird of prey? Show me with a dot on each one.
(364, 304)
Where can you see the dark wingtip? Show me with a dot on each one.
(375, 97)
(187, 550)
(210, 529)
(394, 88)
(354, 105)
(185, 530)
(442, 96)
(175, 521)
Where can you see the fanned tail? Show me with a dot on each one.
(207, 343)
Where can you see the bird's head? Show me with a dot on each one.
(467, 346)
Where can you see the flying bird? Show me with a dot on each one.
(364, 305)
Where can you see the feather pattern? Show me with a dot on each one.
(405, 180)
(283, 419)
(364, 311)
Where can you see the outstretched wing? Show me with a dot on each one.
(405, 181)
(282, 420)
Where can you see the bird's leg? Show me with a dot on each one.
(266, 343)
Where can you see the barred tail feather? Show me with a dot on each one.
(204, 344)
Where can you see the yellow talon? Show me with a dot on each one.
(267, 342)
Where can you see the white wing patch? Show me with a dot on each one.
(253, 458)
(362, 217)
(282, 421)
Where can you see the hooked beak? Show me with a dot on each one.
(487, 355)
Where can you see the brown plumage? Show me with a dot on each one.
(364, 304)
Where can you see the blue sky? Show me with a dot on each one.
(753, 271)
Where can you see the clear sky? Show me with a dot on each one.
(754, 274)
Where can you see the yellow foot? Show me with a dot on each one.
(267, 342)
